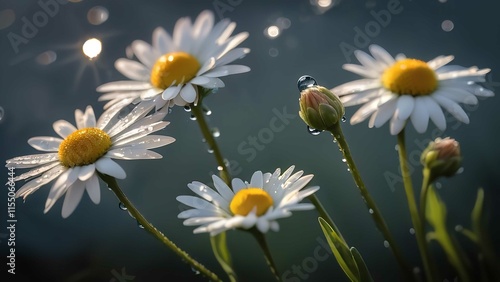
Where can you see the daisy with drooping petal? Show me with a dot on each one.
(82, 151)
(170, 69)
(400, 88)
(259, 203)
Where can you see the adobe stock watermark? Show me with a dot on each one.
(30, 26)
(302, 271)
(11, 221)
(121, 276)
(363, 36)
(223, 6)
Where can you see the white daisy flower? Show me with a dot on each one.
(170, 69)
(400, 89)
(81, 151)
(259, 203)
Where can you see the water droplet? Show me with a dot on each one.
(46, 58)
(396, 147)
(220, 168)
(2, 114)
(122, 206)
(459, 228)
(305, 82)
(447, 25)
(140, 225)
(313, 131)
(204, 140)
(344, 160)
(335, 141)
(169, 110)
(196, 271)
(150, 128)
(215, 132)
(371, 211)
(412, 231)
(187, 108)
(416, 270)
(207, 111)
(348, 169)
(125, 111)
(192, 117)
(343, 119)
(386, 244)
(97, 15)
(460, 170)
(438, 185)
(210, 150)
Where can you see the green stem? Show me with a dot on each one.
(426, 181)
(197, 111)
(261, 239)
(324, 214)
(412, 206)
(113, 185)
(370, 203)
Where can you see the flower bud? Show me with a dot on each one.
(320, 108)
(442, 157)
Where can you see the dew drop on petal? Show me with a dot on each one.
(150, 128)
(313, 131)
(122, 206)
(305, 82)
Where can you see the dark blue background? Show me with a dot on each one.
(97, 241)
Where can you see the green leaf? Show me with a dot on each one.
(364, 273)
(435, 210)
(341, 251)
(221, 252)
(477, 212)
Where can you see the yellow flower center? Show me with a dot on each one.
(247, 199)
(174, 68)
(410, 77)
(83, 147)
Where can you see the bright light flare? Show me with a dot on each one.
(92, 48)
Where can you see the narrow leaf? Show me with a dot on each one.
(221, 252)
(364, 273)
(341, 251)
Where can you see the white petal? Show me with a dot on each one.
(208, 65)
(370, 107)
(222, 188)
(263, 225)
(35, 171)
(63, 128)
(145, 53)
(32, 160)
(89, 118)
(132, 69)
(197, 213)
(381, 55)
(257, 180)
(360, 97)
(440, 61)
(458, 95)
(133, 134)
(182, 34)
(367, 61)
(36, 183)
(108, 115)
(72, 198)
(171, 92)
(397, 125)
(141, 110)
(65, 180)
(200, 80)
(452, 107)
(356, 86)
(420, 116)
(162, 41)
(384, 113)
(360, 70)
(93, 189)
(230, 44)
(212, 83)
(208, 194)
(86, 172)
(227, 70)
(130, 153)
(45, 143)
(79, 119)
(237, 185)
(435, 112)
(472, 74)
(124, 85)
(404, 107)
(231, 56)
(149, 142)
(109, 167)
(188, 93)
(197, 203)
